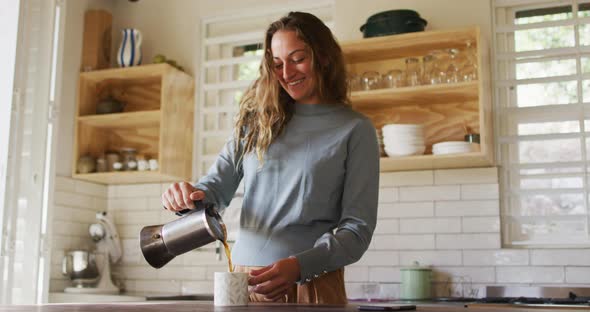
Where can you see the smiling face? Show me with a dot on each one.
(293, 67)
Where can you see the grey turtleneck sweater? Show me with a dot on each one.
(315, 197)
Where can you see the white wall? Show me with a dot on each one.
(74, 28)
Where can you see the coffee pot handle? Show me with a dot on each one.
(199, 204)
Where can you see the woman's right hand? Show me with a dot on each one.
(180, 196)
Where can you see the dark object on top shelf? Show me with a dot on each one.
(393, 22)
(109, 106)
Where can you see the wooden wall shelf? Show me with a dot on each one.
(436, 94)
(157, 121)
(122, 120)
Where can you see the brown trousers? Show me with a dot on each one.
(326, 289)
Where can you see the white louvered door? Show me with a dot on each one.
(28, 179)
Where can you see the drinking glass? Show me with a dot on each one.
(354, 82)
(469, 69)
(394, 79)
(431, 72)
(372, 291)
(370, 80)
(412, 72)
(452, 73)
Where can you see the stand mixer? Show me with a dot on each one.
(107, 242)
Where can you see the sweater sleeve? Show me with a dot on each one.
(224, 176)
(359, 209)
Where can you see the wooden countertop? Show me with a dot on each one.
(200, 306)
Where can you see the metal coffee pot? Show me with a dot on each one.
(196, 228)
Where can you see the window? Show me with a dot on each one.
(542, 103)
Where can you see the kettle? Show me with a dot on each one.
(415, 282)
(196, 228)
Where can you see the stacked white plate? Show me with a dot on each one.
(403, 139)
(454, 147)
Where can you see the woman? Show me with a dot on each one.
(310, 167)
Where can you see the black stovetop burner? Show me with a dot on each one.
(572, 300)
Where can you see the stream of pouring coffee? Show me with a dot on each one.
(226, 246)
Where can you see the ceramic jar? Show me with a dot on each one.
(415, 282)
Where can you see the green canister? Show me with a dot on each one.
(415, 282)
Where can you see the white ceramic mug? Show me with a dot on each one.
(230, 289)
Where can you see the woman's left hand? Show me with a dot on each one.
(274, 281)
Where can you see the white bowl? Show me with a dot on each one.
(407, 151)
(394, 129)
(455, 147)
(390, 141)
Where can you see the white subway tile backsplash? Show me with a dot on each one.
(379, 258)
(201, 257)
(480, 191)
(434, 258)
(500, 257)
(404, 242)
(73, 200)
(132, 251)
(481, 224)
(69, 227)
(467, 208)
(406, 178)
(135, 190)
(129, 230)
(578, 275)
(537, 274)
(388, 194)
(573, 257)
(139, 272)
(182, 273)
(447, 219)
(136, 217)
(425, 193)
(466, 176)
(406, 210)
(154, 203)
(430, 225)
(58, 285)
(154, 286)
(100, 204)
(467, 241)
(387, 226)
(384, 274)
(384, 291)
(92, 189)
(464, 274)
(64, 184)
(356, 273)
(74, 214)
(129, 204)
(196, 287)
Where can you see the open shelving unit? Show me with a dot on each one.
(445, 110)
(157, 121)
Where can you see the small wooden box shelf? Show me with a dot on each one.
(444, 109)
(157, 121)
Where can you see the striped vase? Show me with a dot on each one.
(130, 49)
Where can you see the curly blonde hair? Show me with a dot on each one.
(265, 107)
